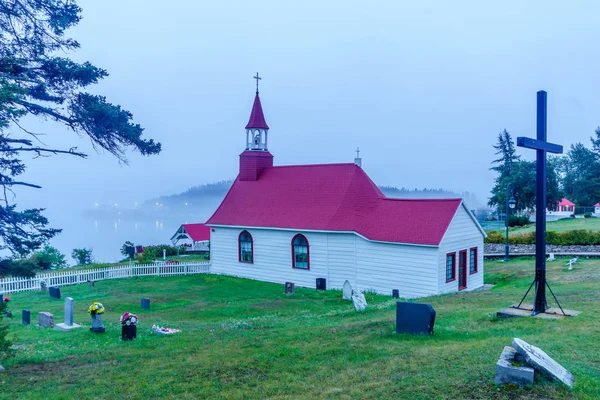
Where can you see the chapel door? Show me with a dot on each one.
(462, 270)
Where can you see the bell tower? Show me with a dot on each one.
(256, 156)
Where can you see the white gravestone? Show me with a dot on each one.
(347, 291)
(359, 301)
(541, 361)
(68, 324)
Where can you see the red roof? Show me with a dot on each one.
(198, 232)
(257, 118)
(566, 202)
(333, 197)
(597, 205)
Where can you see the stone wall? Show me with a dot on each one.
(493, 248)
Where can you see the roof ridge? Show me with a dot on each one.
(311, 165)
(420, 199)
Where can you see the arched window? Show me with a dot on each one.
(246, 248)
(300, 252)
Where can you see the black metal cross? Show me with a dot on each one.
(541, 146)
(258, 78)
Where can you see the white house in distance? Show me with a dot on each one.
(298, 223)
(195, 237)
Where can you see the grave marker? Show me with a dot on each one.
(358, 300)
(289, 288)
(506, 372)
(145, 304)
(414, 318)
(55, 292)
(321, 284)
(68, 324)
(347, 291)
(541, 361)
(395, 293)
(45, 319)
(26, 317)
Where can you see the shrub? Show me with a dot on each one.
(5, 344)
(49, 258)
(579, 237)
(126, 245)
(146, 257)
(518, 220)
(82, 256)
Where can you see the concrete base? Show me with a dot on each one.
(507, 372)
(66, 328)
(526, 309)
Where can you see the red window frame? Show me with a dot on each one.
(476, 269)
(453, 278)
(240, 248)
(307, 253)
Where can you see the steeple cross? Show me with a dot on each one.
(258, 78)
(357, 153)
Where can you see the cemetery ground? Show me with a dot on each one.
(247, 339)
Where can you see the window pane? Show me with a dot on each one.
(300, 256)
(473, 260)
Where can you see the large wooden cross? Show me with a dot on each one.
(541, 146)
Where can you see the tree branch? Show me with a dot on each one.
(40, 149)
(13, 183)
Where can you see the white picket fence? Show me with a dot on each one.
(66, 277)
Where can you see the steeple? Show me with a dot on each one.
(257, 128)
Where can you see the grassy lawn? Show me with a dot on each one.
(568, 224)
(246, 339)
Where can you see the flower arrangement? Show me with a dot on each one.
(96, 308)
(164, 331)
(6, 299)
(129, 319)
(42, 283)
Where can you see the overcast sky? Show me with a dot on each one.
(422, 87)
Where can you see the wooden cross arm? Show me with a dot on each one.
(539, 145)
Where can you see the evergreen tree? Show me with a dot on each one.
(580, 175)
(37, 80)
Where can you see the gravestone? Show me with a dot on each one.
(55, 292)
(145, 304)
(414, 318)
(347, 291)
(68, 324)
(97, 324)
(92, 283)
(128, 332)
(506, 372)
(395, 293)
(541, 361)
(45, 319)
(289, 288)
(358, 300)
(26, 317)
(321, 284)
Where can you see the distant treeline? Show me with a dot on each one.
(218, 190)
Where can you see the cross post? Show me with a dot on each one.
(258, 78)
(541, 146)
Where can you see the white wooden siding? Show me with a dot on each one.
(462, 234)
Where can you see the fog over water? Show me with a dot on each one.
(423, 88)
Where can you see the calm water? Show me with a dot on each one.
(105, 233)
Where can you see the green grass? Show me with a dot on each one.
(246, 339)
(562, 225)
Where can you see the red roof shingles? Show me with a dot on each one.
(198, 232)
(257, 118)
(566, 202)
(333, 197)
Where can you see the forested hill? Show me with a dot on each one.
(211, 192)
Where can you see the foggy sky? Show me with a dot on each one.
(423, 88)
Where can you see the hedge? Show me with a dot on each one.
(579, 237)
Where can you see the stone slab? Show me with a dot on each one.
(347, 291)
(289, 287)
(26, 317)
(65, 328)
(541, 361)
(358, 300)
(321, 284)
(506, 372)
(145, 303)
(46, 319)
(526, 309)
(414, 318)
(54, 292)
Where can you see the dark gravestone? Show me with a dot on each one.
(414, 318)
(395, 293)
(26, 317)
(321, 284)
(128, 332)
(91, 283)
(289, 288)
(145, 304)
(55, 292)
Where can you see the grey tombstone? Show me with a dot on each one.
(97, 324)
(145, 304)
(347, 291)
(45, 319)
(506, 372)
(358, 300)
(68, 324)
(289, 288)
(541, 361)
(55, 292)
(414, 318)
(26, 317)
